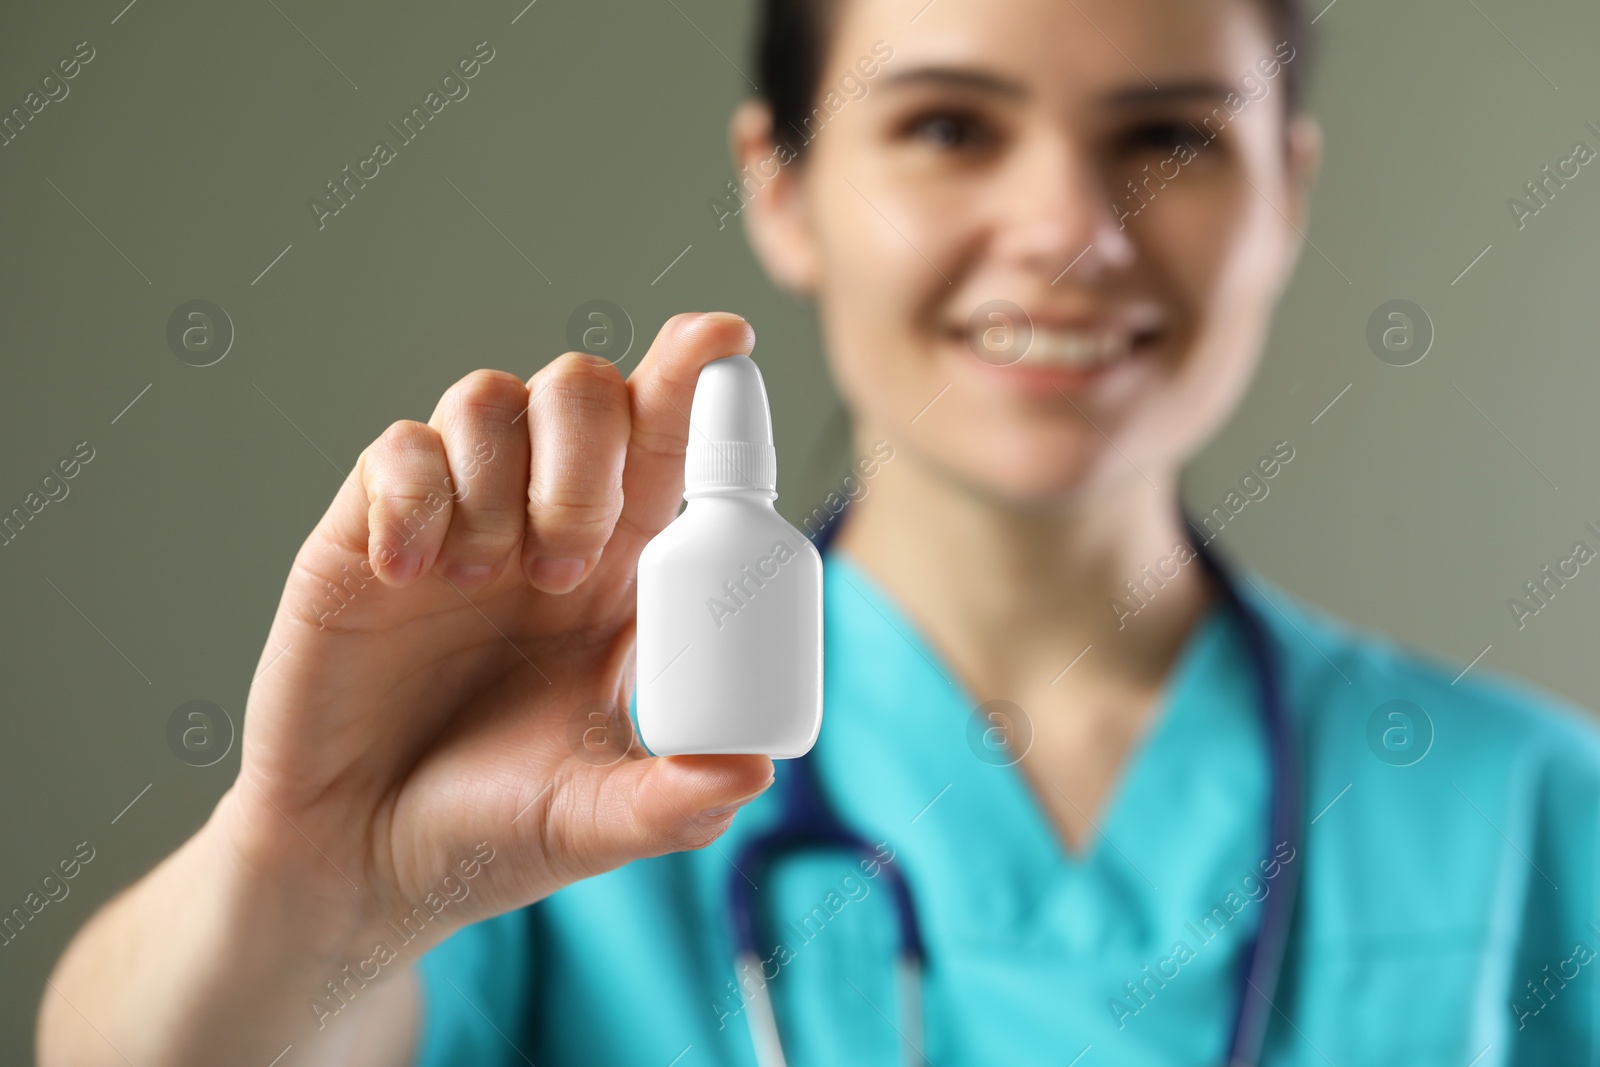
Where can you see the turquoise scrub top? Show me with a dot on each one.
(1448, 904)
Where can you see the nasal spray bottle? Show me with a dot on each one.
(729, 635)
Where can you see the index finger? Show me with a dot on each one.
(660, 393)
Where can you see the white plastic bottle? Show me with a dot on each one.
(729, 636)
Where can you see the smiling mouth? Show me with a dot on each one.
(1061, 348)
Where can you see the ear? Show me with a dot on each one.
(1304, 162)
(772, 184)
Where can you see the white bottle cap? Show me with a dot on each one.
(730, 430)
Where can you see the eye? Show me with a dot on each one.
(951, 130)
(1165, 137)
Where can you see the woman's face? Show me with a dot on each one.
(977, 185)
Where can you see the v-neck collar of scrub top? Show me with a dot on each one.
(1183, 823)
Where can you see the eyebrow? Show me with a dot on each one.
(1190, 90)
(994, 84)
(959, 77)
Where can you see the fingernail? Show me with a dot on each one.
(556, 574)
(713, 813)
(405, 564)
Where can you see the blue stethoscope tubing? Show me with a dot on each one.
(807, 823)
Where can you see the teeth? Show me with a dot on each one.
(1076, 348)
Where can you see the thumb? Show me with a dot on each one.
(688, 800)
(669, 803)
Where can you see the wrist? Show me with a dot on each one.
(206, 959)
(309, 910)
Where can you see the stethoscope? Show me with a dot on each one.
(807, 823)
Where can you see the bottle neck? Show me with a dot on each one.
(733, 493)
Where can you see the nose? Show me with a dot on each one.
(1055, 218)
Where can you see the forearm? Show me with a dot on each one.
(204, 962)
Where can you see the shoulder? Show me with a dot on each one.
(1450, 814)
(1349, 682)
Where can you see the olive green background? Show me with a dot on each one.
(181, 164)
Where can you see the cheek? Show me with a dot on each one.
(1214, 246)
(1233, 282)
(878, 297)
(879, 240)
(1228, 292)
(886, 233)
(1196, 227)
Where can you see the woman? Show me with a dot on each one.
(418, 767)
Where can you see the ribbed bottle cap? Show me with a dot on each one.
(730, 430)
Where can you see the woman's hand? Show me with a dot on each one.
(437, 725)
(459, 697)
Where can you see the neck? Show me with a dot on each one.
(1012, 594)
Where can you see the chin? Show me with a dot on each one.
(1035, 473)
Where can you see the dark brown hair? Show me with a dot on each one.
(792, 44)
